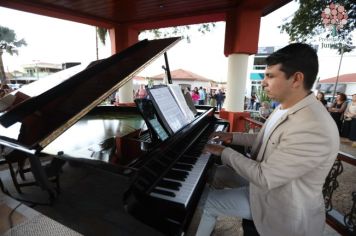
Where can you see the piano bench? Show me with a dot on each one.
(21, 172)
(249, 228)
(51, 173)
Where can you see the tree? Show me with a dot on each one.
(100, 34)
(181, 31)
(307, 23)
(9, 44)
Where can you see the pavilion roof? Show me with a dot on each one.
(181, 74)
(345, 78)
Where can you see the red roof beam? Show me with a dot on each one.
(55, 11)
(188, 20)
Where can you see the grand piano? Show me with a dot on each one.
(65, 118)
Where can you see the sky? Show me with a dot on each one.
(56, 41)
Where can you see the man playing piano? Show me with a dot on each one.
(290, 157)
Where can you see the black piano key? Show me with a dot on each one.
(149, 173)
(170, 184)
(188, 160)
(195, 153)
(144, 182)
(187, 155)
(183, 166)
(160, 164)
(177, 175)
(140, 186)
(164, 192)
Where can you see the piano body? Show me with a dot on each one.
(66, 120)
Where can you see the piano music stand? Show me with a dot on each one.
(149, 114)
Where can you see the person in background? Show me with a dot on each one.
(274, 104)
(219, 97)
(349, 127)
(4, 89)
(195, 96)
(111, 98)
(257, 103)
(187, 90)
(280, 185)
(202, 96)
(252, 101)
(245, 103)
(337, 110)
(206, 101)
(212, 100)
(117, 98)
(264, 111)
(321, 97)
(141, 92)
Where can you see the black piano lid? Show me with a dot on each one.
(58, 108)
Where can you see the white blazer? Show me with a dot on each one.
(291, 164)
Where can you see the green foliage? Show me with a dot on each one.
(180, 31)
(307, 23)
(9, 44)
(262, 95)
(102, 32)
(8, 41)
(164, 33)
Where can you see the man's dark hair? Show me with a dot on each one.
(297, 57)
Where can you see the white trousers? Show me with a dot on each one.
(232, 201)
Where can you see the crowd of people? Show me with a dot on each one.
(200, 96)
(342, 111)
(344, 115)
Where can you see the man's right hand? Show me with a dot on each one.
(222, 136)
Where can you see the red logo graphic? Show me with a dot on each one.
(334, 17)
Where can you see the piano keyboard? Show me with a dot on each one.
(180, 183)
(168, 186)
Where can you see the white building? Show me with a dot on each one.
(346, 83)
(183, 78)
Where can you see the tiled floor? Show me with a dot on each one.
(17, 218)
(90, 203)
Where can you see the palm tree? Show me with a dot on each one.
(9, 44)
(101, 34)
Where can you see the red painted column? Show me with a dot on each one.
(241, 40)
(237, 124)
(242, 31)
(122, 37)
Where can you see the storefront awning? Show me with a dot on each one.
(257, 76)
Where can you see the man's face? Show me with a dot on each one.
(276, 84)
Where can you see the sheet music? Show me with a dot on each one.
(169, 108)
(182, 103)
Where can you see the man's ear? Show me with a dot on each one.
(298, 80)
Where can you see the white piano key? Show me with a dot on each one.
(185, 192)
